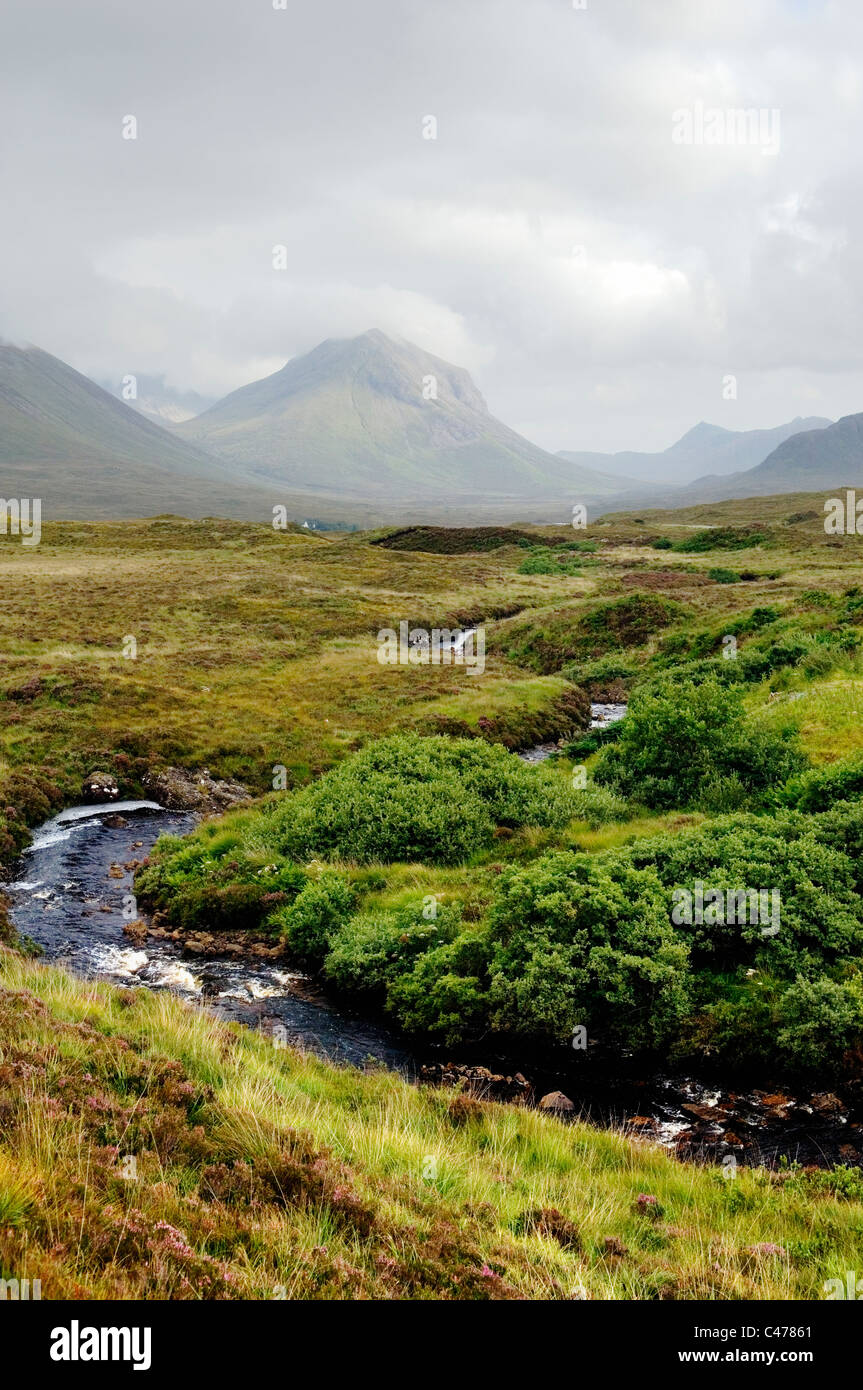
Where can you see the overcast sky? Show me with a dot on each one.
(599, 279)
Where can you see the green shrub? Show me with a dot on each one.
(408, 798)
(315, 916)
(373, 949)
(819, 1020)
(542, 560)
(587, 941)
(599, 806)
(679, 739)
(605, 669)
(819, 788)
(723, 576)
(446, 992)
(720, 538)
(821, 917)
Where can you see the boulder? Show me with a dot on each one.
(100, 786)
(179, 790)
(557, 1103)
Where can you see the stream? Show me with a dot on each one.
(68, 896)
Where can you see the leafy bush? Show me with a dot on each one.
(542, 560)
(603, 670)
(723, 576)
(819, 1020)
(599, 806)
(373, 949)
(720, 538)
(587, 940)
(820, 921)
(818, 789)
(680, 740)
(312, 920)
(411, 798)
(446, 992)
(230, 889)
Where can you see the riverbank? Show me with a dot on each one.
(73, 898)
(148, 1150)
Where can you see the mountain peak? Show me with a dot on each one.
(378, 416)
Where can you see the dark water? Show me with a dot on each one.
(70, 894)
(66, 900)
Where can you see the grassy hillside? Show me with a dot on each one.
(149, 1152)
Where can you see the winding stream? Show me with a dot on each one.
(68, 896)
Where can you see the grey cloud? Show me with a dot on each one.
(302, 128)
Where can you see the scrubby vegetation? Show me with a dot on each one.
(689, 743)
(508, 927)
(417, 867)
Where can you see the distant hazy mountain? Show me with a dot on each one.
(65, 440)
(374, 418)
(705, 449)
(816, 458)
(159, 401)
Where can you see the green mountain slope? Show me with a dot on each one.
(85, 454)
(370, 417)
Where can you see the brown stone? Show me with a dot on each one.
(557, 1103)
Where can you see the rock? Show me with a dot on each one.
(557, 1103)
(100, 786)
(179, 790)
(115, 822)
(479, 1081)
(116, 871)
(137, 930)
(707, 1113)
(777, 1106)
(825, 1103)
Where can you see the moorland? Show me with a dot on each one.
(395, 848)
